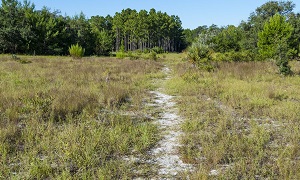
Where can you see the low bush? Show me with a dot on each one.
(158, 50)
(76, 51)
(146, 50)
(153, 56)
(234, 56)
(200, 55)
(133, 55)
(120, 55)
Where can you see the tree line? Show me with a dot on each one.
(23, 29)
(245, 36)
(272, 31)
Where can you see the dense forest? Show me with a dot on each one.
(26, 30)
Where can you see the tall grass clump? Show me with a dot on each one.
(76, 51)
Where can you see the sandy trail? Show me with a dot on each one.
(166, 152)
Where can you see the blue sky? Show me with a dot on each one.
(192, 13)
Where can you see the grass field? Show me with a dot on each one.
(78, 119)
(242, 120)
(64, 118)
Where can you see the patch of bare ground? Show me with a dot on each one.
(163, 160)
(165, 154)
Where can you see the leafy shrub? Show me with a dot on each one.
(153, 55)
(206, 64)
(220, 57)
(146, 50)
(139, 51)
(76, 51)
(200, 55)
(239, 56)
(197, 52)
(120, 55)
(158, 50)
(133, 56)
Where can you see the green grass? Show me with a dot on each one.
(63, 119)
(241, 120)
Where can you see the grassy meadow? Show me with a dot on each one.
(241, 120)
(74, 119)
(80, 119)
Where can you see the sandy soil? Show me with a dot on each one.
(166, 152)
